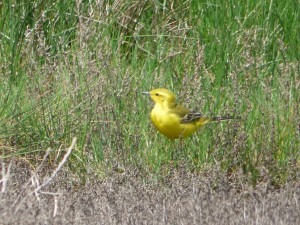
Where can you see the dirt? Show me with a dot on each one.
(210, 197)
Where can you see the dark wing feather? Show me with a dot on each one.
(185, 114)
(191, 117)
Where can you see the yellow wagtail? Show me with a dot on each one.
(174, 120)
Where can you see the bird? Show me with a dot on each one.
(174, 120)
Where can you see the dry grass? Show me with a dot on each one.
(210, 197)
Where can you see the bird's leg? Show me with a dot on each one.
(178, 148)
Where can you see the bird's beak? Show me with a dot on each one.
(146, 93)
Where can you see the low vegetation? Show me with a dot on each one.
(77, 69)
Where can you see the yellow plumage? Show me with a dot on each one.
(174, 120)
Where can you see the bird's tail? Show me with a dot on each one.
(202, 120)
(220, 118)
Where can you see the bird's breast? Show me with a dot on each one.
(167, 123)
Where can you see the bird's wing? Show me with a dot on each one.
(185, 115)
(180, 111)
(191, 117)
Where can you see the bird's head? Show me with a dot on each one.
(162, 96)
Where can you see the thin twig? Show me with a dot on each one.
(5, 174)
(58, 168)
(44, 159)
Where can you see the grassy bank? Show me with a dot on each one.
(78, 69)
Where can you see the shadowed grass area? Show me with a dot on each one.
(78, 69)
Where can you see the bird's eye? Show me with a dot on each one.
(157, 94)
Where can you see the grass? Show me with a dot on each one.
(78, 69)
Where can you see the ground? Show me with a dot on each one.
(210, 197)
